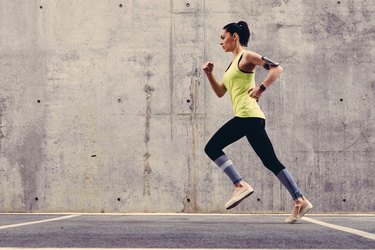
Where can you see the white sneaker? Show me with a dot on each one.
(242, 191)
(299, 210)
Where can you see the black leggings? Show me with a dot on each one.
(254, 130)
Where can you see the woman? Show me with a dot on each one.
(249, 119)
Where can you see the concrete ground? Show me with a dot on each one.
(197, 231)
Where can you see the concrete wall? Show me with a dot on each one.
(104, 107)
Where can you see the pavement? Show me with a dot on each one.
(185, 231)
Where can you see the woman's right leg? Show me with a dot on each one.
(259, 140)
(262, 145)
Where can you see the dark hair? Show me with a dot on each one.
(241, 29)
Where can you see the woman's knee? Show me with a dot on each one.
(275, 166)
(208, 149)
(212, 151)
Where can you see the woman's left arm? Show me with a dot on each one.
(274, 72)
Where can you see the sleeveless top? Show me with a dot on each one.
(238, 83)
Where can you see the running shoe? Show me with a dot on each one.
(242, 191)
(300, 209)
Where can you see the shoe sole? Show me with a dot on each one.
(239, 201)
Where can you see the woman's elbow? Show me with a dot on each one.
(280, 69)
(220, 94)
(277, 71)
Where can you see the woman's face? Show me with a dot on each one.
(228, 41)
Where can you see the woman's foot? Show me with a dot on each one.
(301, 207)
(242, 190)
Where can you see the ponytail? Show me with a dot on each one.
(242, 29)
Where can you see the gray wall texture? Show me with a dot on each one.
(104, 107)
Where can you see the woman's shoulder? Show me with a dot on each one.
(251, 56)
(250, 53)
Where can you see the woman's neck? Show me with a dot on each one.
(237, 51)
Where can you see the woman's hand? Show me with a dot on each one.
(218, 88)
(255, 93)
(208, 67)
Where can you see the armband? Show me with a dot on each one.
(269, 63)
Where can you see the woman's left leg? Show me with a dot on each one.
(230, 132)
(226, 135)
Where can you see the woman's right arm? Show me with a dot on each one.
(218, 88)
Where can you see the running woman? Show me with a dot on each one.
(248, 120)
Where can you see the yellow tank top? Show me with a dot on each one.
(237, 84)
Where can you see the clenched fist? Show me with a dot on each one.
(208, 67)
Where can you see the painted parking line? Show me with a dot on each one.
(37, 222)
(341, 228)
